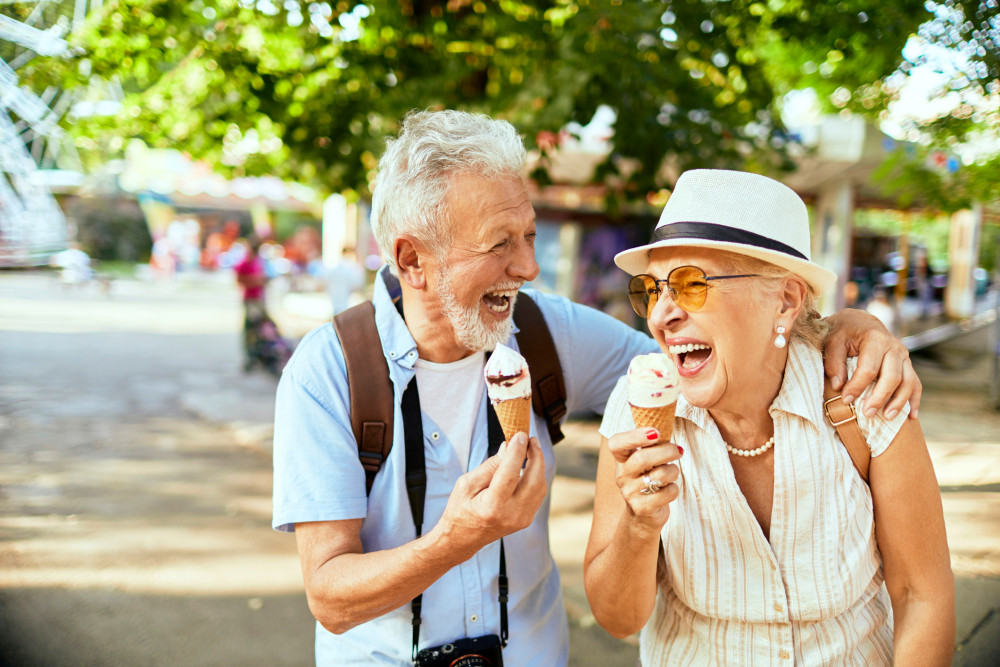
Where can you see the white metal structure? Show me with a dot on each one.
(32, 144)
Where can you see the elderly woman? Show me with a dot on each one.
(772, 549)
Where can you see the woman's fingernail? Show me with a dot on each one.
(848, 399)
(680, 449)
(913, 414)
(500, 451)
(652, 434)
(835, 382)
(891, 414)
(870, 412)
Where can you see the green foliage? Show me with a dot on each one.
(310, 90)
(970, 29)
(913, 178)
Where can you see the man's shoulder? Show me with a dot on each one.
(566, 316)
(317, 352)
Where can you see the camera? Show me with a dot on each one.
(482, 651)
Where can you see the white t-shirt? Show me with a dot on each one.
(450, 394)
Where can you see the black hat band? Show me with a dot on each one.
(712, 232)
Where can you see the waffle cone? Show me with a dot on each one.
(662, 419)
(514, 416)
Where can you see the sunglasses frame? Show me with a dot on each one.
(664, 283)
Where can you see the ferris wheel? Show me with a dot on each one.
(33, 146)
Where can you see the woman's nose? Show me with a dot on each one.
(666, 313)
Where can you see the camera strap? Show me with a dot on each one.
(416, 489)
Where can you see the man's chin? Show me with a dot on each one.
(487, 335)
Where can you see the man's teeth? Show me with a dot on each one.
(503, 299)
(690, 347)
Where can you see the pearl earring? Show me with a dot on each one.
(780, 341)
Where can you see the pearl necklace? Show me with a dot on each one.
(752, 452)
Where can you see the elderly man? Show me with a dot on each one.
(457, 230)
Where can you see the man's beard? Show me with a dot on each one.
(471, 331)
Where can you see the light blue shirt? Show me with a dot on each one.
(318, 477)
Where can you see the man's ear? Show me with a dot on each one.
(411, 256)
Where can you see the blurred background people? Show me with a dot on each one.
(343, 280)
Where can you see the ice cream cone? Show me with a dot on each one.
(661, 418)
(514, 415)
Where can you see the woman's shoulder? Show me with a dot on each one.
(879, 432)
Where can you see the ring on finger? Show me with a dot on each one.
(648, 486)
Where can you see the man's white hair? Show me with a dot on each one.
(416, 170)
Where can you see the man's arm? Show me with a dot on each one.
(346, 587)
(882, 359)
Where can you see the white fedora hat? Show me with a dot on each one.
(739, 212)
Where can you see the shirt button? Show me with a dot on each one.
(784, 655)
(778, 608)
(392, 354)
(411, 354)
(435, 435)
(474, 618)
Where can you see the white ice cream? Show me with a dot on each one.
(652, 381)
(507, 375)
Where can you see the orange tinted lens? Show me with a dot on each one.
(642, 295)
(688, 287)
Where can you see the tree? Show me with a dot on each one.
(968, 31)
(310, 91)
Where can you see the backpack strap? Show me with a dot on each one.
(844, 418)
(548, 391)
(369, 386)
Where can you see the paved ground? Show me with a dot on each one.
(135, 487)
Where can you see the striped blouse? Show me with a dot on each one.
(811, 595)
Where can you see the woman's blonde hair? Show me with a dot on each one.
(808, 326)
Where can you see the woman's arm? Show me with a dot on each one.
(909, 527)
(619, 568)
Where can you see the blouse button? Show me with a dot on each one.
(392, 354)
(474, 618)
(784, 655)
(435, 435)
(778, 608)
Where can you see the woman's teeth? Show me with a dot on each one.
(690, 347)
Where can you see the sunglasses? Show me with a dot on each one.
(688, 287)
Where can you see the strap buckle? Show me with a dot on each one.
(826, 408)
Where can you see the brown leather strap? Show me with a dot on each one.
(548, 391)
(369, 386)
(844, 418)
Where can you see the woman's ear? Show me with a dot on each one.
(793, 295)
(411, 255)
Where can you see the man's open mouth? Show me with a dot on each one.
(691, 355)
(499, 302)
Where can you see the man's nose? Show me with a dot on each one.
(523, 265)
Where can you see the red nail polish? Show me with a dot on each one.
(680, 449)
(652, 434)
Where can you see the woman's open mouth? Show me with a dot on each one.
(690, 357)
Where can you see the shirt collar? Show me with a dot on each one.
(802, 387)
(397, 341)
(801, 390)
